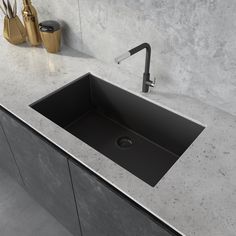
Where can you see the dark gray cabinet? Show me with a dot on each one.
(80, 200)
(104, 213)
(7, 161)
(45, 172)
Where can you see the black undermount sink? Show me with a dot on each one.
(140, 136)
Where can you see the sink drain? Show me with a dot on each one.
(124, 142)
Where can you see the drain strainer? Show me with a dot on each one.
(124, 142)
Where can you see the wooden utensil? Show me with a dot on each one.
(5, 7)
(15, 9)
(3, 10)
(10, 11)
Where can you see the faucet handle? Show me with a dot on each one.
(151, 83)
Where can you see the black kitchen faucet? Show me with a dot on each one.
(146, 76)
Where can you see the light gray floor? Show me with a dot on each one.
(20, 215)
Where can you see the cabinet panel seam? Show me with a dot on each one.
(73, 190)
(13, 156)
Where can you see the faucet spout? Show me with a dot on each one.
(146, 76)
(122, 57)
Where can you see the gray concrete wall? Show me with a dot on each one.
(193, 41)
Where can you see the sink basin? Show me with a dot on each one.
(138, 135)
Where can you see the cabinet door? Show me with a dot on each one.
(7, 161)
(45, 172)
(104, 213)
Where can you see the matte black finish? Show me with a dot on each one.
(45, 172)
(105, 213)
(49, 26)
(146, 75)
(100, 113)
(7, 160)
(148, 54)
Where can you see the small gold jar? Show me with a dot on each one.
(14, 31)
(50, 32)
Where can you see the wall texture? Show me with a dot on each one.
(65, 11)
(193, 41)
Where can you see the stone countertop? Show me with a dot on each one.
(198, 194)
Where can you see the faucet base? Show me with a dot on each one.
(146, 80)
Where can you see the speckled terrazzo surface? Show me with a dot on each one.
(197, 196)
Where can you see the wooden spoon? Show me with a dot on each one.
(10, 11)
(3, 10)
(5, 7)
(14, 9)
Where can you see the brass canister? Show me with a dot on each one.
(14, 31)
(50, 32)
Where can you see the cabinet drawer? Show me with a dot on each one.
(44, 170)
(104, 212)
